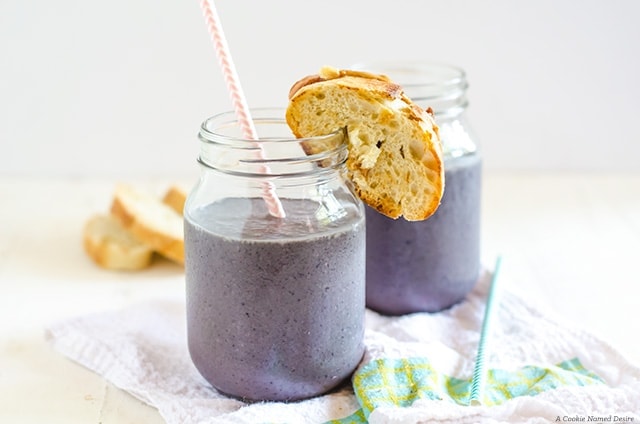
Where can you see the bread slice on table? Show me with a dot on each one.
(395, 155)
(150, 220)
(111, 246)
(175, 197)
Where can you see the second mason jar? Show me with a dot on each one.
(433, 264)
(275, 301)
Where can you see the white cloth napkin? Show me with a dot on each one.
(142, 349)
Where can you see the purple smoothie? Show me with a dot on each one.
(428, 265)
(275, 307)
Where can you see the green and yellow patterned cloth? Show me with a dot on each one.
(400, 382)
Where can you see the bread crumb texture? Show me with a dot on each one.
(111, 246)
(395, 154)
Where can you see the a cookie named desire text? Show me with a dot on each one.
(595, 419)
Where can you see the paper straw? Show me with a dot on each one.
(238, 99)
(479, 372)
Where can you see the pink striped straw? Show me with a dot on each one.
(238, 99)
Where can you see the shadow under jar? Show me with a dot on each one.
(275, 305)
(430, 265)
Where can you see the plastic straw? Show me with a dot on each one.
(479, 372)
(238, 99)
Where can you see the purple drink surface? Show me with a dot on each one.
(273, 319)
(428, 265)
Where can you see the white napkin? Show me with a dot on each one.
(142, 349)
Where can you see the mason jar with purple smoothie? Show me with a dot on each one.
(275, 301)
(430, 265)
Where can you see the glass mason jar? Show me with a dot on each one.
(275, 305)
(430, 265)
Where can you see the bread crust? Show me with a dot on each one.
(150, 221)
(175, 197)
(395, 155)
(111, 246)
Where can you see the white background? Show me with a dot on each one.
(118, 88)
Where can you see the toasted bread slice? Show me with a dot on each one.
(111, 246)
(150, 221)
(395, 155)
(175, 197)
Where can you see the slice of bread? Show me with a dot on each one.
(111, 246)
(175, 197)
(395, 155)
(152, 222)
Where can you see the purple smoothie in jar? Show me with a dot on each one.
(270, 318)
(430, 265)
(275, 302)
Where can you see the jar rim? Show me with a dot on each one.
(274, 153)
(210, 127)
(429, 73)
(439, 86)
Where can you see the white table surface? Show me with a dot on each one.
(570, 243)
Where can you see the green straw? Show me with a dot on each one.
(479, 372)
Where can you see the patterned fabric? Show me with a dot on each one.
(399, 382)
